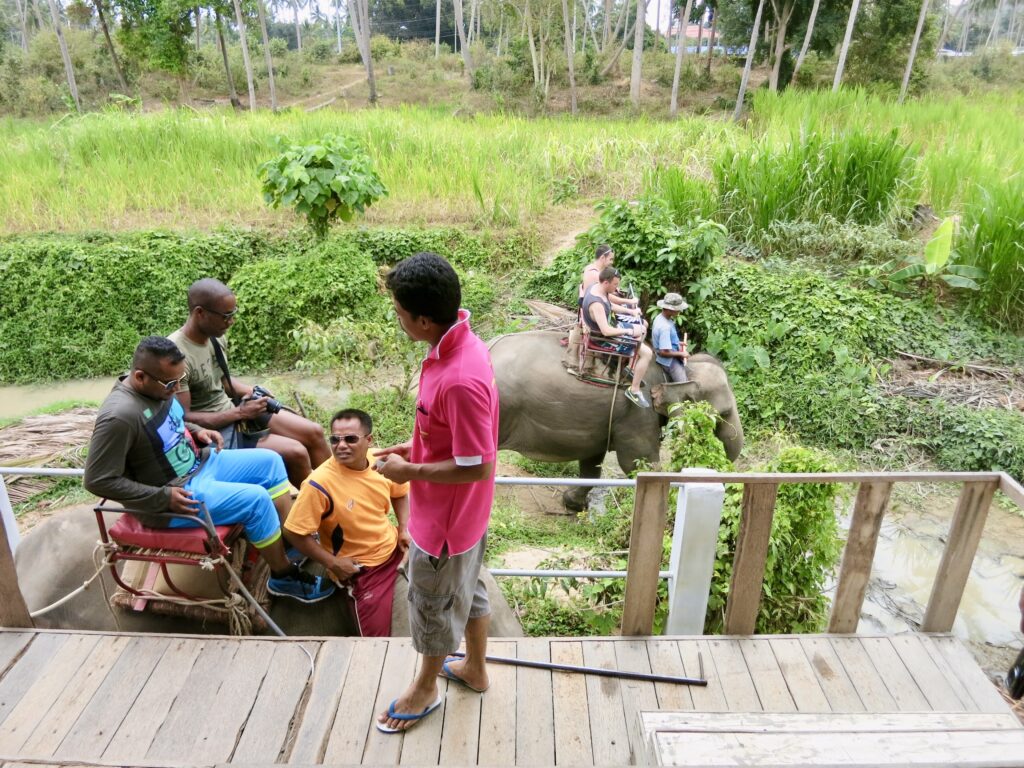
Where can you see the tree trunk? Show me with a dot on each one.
(711, 41)
(528, 19)
(618, 52)
(198, 24)
(359, 12)
(966, 31)
(606, 29)
(437, 31)
(750, 59)
(569, 55)
(38, 14)
(807, 37)
(110, 45)
(260, 11)
(68, 69)
(700, 32)
(240, 20)
(298, 26)
(657, 24)
(460, 28)
(472, 22)
(994, 29)
(232, 93)
(638, 53)
(337, 26)
(846, 45)
(913, 50)
(680, 53)
(23, 23)
(780, 41)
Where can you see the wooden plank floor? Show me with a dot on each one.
(146, 700)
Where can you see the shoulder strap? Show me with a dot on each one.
(223, 363)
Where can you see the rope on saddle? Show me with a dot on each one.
(611, 408)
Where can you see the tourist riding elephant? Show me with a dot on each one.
(549, 415)
(55, 557)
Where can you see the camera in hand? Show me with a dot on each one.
(273, 406)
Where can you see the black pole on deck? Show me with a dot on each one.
(598, 671)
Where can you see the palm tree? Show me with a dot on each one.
(846, 45)
(807, 38)
(296, 4)
(110, 46)
(684, 20)
(569, 53)
(638, 52)
(23, 23)
(69, 70)
(359, 14)
(782, 17)
(750, 59)
(460, 26)
(240, 20)
(913, 49)
(233, 95)
(266, 54)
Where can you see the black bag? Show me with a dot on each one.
(251, 429)
(1015, 677)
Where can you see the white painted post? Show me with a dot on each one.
(8, 514)
(692, 562)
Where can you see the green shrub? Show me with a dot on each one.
(803, 550)
(329, 281)
(836, 242)
(332, 179)
(383, 47)
(318, 52)
(75, 306)
(392, 415)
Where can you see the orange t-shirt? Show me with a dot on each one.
(350, 511)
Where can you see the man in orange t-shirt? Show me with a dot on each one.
(347, 501)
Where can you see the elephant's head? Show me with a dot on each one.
(708, 383)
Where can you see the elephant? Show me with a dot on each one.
(55, 557)
(547, 414)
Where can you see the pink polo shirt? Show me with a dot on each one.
(456, 417)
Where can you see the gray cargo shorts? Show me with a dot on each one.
(444, 593)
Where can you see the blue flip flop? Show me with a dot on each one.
(447, 673)
(397, 716)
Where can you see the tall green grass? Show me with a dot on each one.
(993, 238)
(852, 176)
(118, 170)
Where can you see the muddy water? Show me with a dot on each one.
(19, 401)
(909, 549)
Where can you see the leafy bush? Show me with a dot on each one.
(392, 414)
(319, 51)
(803, 550)
(325, 181)
(836, 242)
(327, 282)
(654, 252)
(383, 47)
(74, 306)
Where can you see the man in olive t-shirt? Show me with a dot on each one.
(211, 312)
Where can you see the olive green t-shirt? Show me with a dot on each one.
(202, 374)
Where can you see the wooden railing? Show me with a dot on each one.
(758, 509)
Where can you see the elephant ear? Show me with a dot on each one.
(664, 396)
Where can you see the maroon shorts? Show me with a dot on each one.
(372, 592)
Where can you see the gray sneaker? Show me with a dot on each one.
(636, 398)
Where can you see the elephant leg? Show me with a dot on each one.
(575, 499)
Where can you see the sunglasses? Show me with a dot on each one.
(349, 439)
(225, 315)
(167, 385)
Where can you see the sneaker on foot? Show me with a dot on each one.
(301, 586)
(637, 398)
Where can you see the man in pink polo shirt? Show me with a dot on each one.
(449, 464)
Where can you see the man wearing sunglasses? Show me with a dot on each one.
(144, 454)
(347, 502)
(206, 392)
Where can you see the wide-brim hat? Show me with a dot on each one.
(674, 302)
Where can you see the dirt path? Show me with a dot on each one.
(559, 228)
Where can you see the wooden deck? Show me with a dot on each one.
(94, 698)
